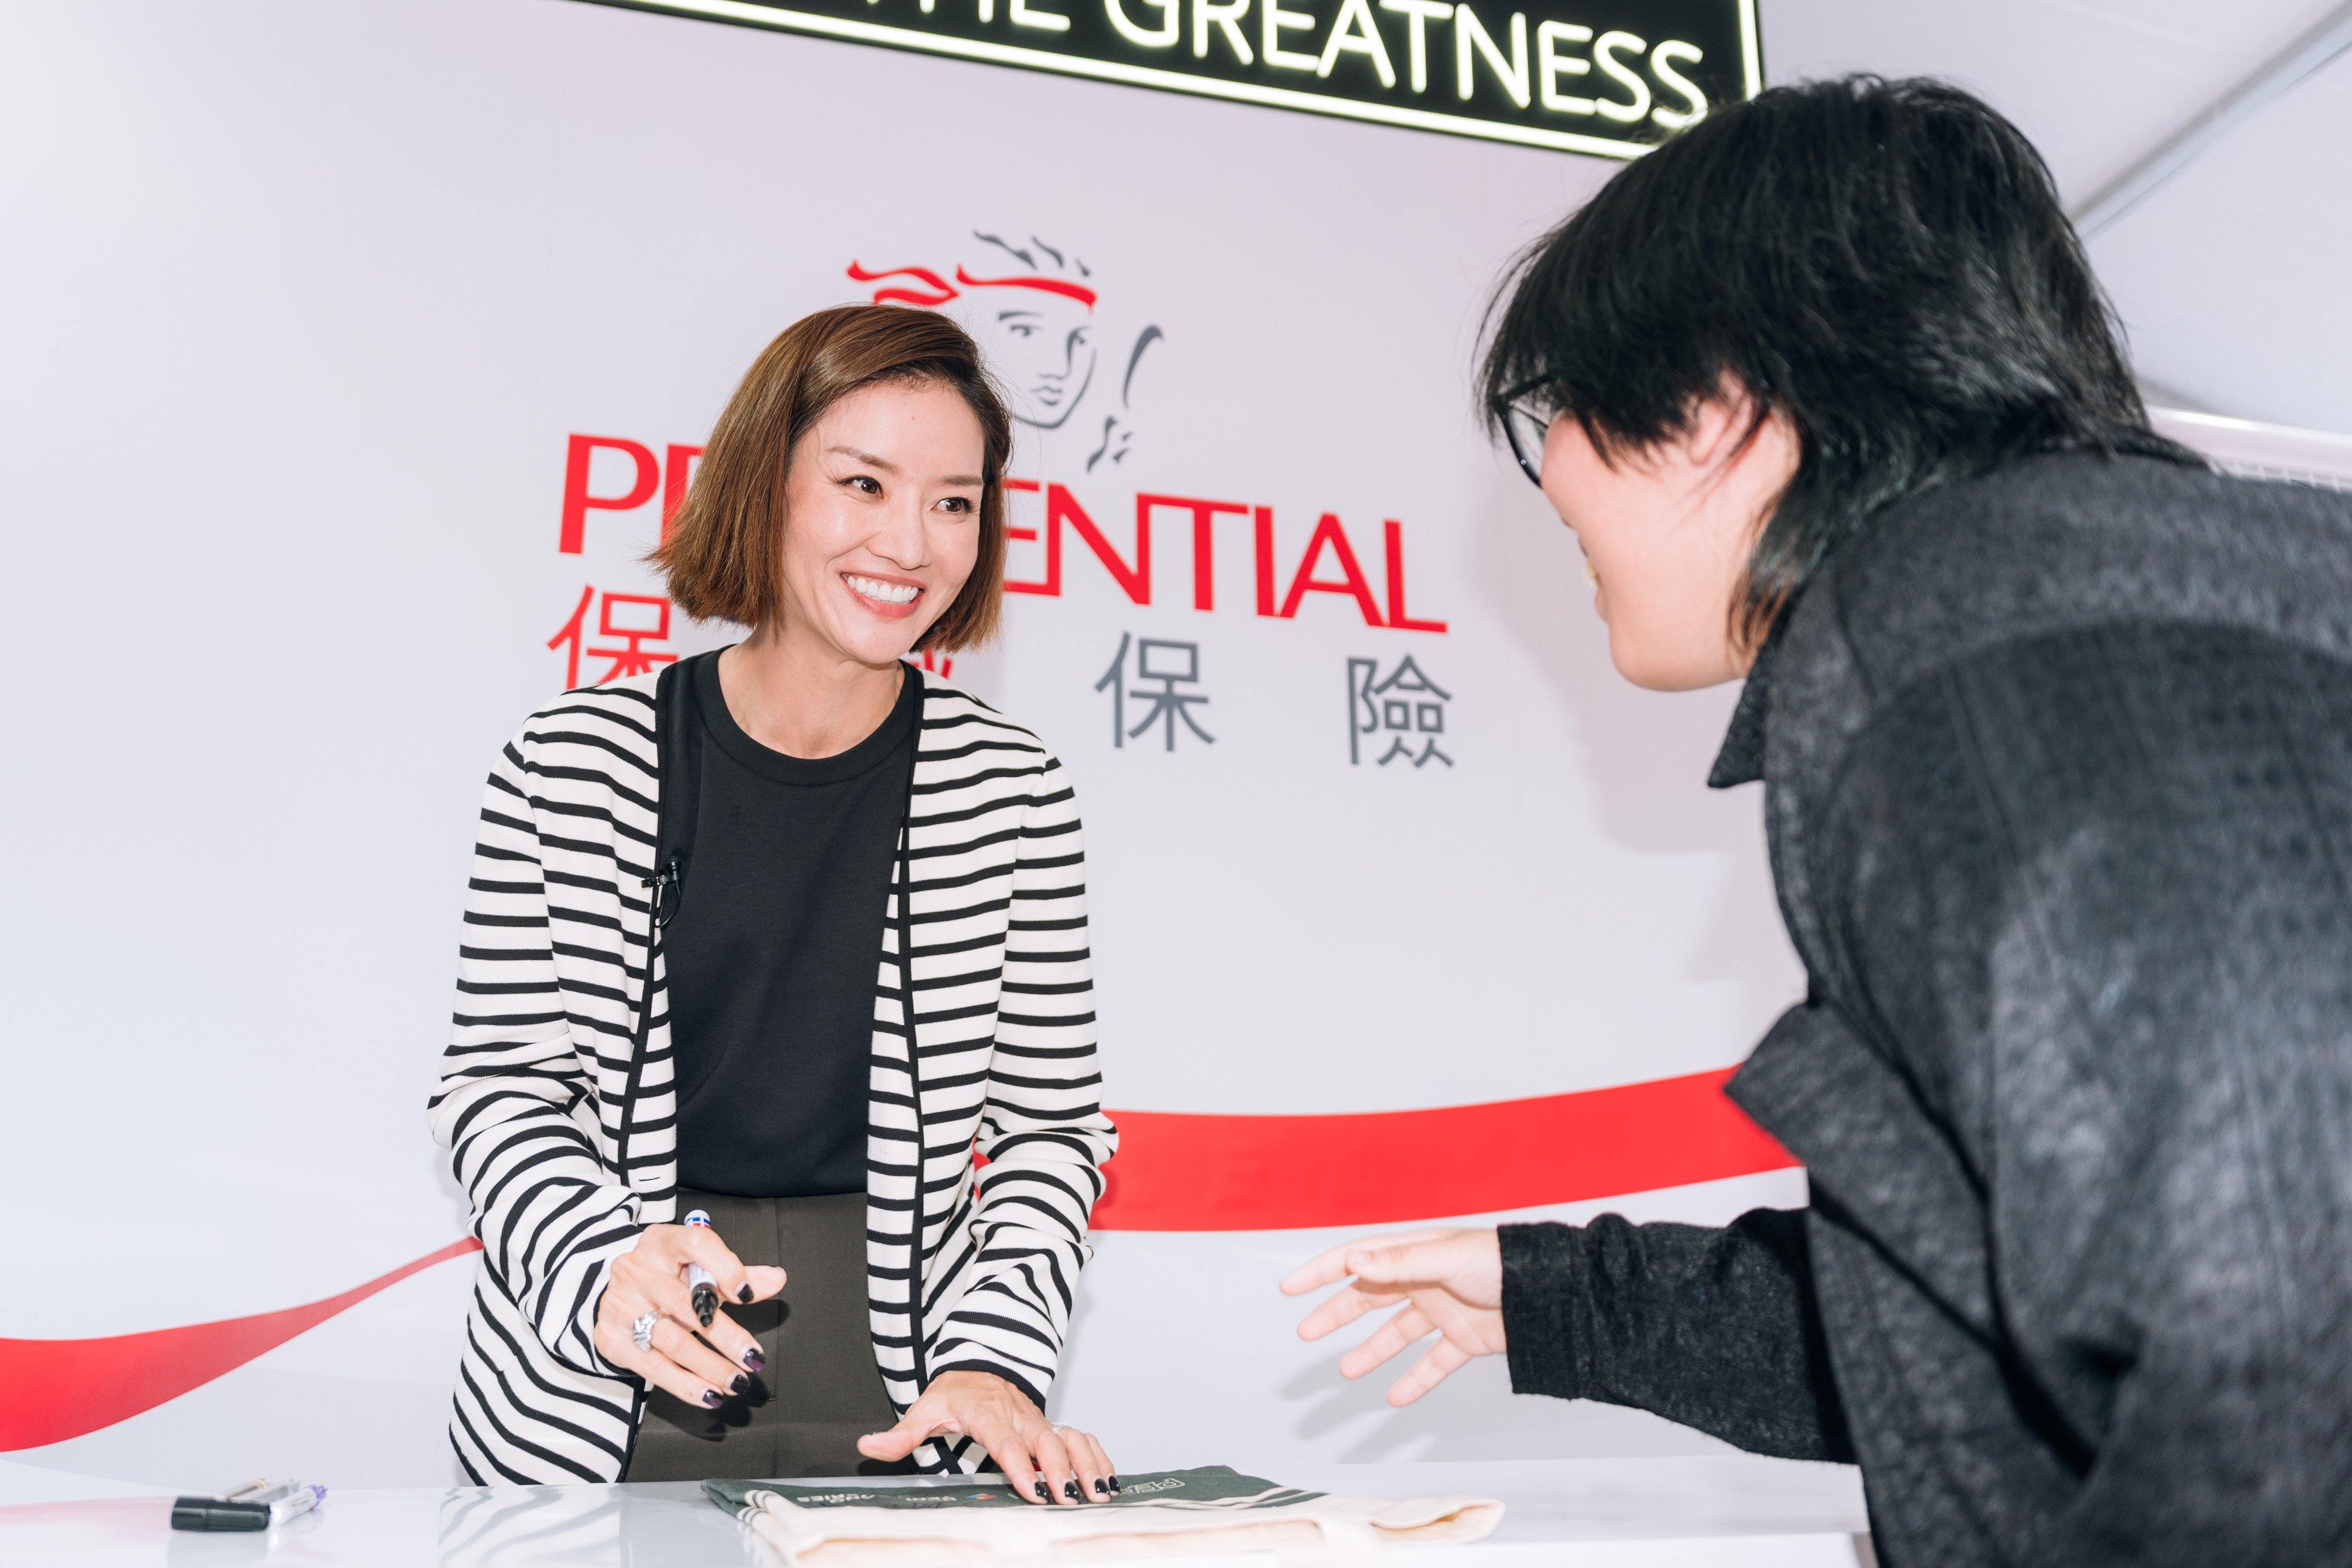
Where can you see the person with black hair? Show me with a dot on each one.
(2056, 730)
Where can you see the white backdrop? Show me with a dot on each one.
(306, 299)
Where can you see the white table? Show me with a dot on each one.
(1734, 1511)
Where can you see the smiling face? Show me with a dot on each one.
(881, 520)
(1666, 532)
(1043, 346)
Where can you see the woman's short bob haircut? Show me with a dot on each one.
(1885, 263)
(724, 547)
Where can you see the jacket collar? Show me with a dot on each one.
(1741, 759)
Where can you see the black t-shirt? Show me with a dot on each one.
(775, 950)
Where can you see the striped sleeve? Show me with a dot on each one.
(1042, 1127)
(548, 1213)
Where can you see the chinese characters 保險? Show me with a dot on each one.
(1173, 664)
(1406, 704)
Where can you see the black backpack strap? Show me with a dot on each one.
(906, 901)
(677, 746)
(678, 737)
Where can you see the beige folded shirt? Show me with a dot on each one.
(1177, 1513)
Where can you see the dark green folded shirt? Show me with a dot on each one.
(1214, 1485)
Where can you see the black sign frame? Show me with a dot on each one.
(1611, 78)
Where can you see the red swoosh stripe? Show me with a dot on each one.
(1077, 291)
(61, 1388)
(1293, 1173)
(1173, 1172)
(939, 290)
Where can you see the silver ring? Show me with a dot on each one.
(641, 1330)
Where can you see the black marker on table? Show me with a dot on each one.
(256, 1505)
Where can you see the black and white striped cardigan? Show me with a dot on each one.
(548, 1055)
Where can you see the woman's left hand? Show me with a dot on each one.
(1042, 1462)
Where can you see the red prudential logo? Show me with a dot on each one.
(1038, 310)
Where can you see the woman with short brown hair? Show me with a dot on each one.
(767, 944)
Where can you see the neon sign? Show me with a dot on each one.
(1612, 78)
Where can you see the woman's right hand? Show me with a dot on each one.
(651, 1279)
(1446, 1281)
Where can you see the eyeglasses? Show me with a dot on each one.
(1525, 425)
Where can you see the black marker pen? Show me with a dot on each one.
(706, 1289)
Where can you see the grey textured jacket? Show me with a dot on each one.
(2058, 771)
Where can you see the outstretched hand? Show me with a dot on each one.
(1447, 1282)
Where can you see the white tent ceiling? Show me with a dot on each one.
(2235, 277)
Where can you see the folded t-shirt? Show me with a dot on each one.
(981, 1524)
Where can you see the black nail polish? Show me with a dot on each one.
(1114, 1483)
(745, 1295)
(1100, 1490)
(754, 1360)
(1070, 1490)
(742, 1384)
(712, 1397)
(1043, 1495)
